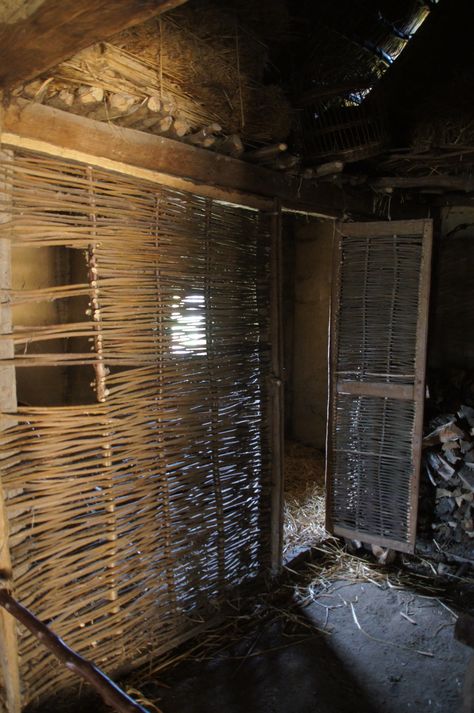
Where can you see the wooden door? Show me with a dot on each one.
(379, 321)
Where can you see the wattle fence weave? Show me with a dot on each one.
(133, 510)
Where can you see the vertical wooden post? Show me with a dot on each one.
(8, 405)
(101, 373)
(332, 366)
(277, 413)
(420, 372)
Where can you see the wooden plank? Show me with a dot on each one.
(420, 372)
(55, 132)
(400, 546)
(446, 183)
(373, 229)
(404, 392)
(245, 200)
(277, 413)
(8, 405)
(37, 35)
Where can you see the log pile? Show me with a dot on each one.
(178, 75)
(449, 464)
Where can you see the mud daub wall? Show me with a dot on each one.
(306, 292)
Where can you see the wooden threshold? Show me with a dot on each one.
(50, 131)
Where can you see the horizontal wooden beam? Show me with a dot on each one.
(47, 130)
(349, 534)
(403, 392)
(35, 35)
(435, 182)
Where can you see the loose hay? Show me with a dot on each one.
(305, 508)
(200, 60)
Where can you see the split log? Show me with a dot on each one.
(146, 109)
(162, 126)
(63, 100)
(449, 465)
(88, 99)
(168, 106)
(178, 129)
(120, 104)
(32, 89)
(286, 162)
(205, 137)
(37, 89)
(230, 145)
(111, 694)
(265, 153)
(329, 169)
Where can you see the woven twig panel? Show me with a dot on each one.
(132, 517)
(379, 297)
(372, 465)
(378, 341)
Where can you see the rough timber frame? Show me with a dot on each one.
(172, 163)
(37, 128)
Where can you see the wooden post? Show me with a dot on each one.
(277, 417)
(8, 637)
(420, 370)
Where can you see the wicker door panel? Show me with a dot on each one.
(377, 370)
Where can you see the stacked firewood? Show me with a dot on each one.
(195, 75)
(449, 464)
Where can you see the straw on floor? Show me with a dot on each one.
(304, 514)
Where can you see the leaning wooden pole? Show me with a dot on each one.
(111, 694)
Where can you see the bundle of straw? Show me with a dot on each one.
(202, 62)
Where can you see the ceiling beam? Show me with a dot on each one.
(175, 163)
(436, 182)
(36, 35)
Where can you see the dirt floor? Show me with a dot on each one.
(338, 633)
(358, 647)
(323, 645)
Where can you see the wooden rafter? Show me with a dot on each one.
(35, 35)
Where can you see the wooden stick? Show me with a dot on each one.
(180, 128)
(230, 145)
(110, 693)
(265, 153)
(329, 169)
(205, 137)
(285, 162)
(120, 104)
(140, 112)
(89, 98)
(62, 100)
(163, 125)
